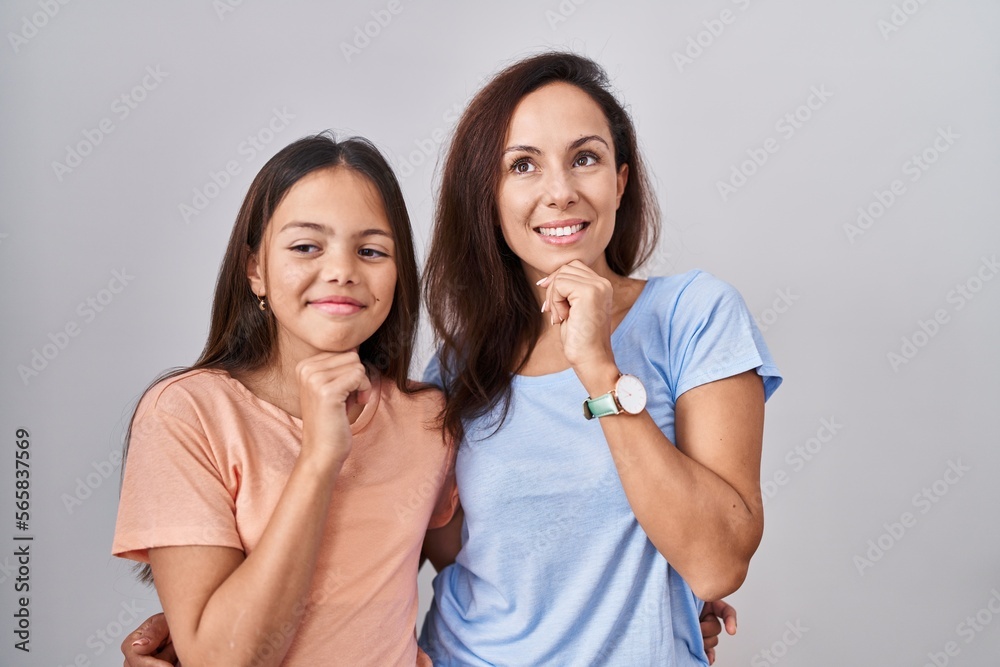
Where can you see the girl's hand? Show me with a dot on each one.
(711, 628)
(329, 385)
(580, 303)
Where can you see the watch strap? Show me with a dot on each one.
(602, 406)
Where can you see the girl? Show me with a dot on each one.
(610, 428)
(556, 565)
(296, 445)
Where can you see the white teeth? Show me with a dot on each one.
(560, 231)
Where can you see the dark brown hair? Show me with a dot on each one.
(241, 337)
(481, 306)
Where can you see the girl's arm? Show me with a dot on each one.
(699, 502)
(225, 608)
(711, 627)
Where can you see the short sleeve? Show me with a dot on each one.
(447, 501)
(432, 374)
(712, 336)
(172, 492)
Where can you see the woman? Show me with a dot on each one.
(584, 541)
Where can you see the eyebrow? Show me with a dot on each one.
(576, 144)
(326, 229)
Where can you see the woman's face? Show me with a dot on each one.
(329, 268)
(559, 190)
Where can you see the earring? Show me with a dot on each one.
(261, 303)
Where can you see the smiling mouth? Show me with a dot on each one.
(567, 230)
(338, 305)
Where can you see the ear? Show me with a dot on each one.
(255, 275)
(622, 179)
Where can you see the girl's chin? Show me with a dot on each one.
(306, 349)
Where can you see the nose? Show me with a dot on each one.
(339, 266)
(560, 189)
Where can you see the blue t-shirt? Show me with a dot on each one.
(554, 567)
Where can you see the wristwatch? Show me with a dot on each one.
(629, 396)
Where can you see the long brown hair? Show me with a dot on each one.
(480, 303)
(241, 337)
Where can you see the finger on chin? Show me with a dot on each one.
(560, 309)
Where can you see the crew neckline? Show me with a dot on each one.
(367, 413)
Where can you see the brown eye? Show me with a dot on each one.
(522, 167)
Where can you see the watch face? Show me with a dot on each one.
(631, 394)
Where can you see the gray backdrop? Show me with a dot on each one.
(837, 162)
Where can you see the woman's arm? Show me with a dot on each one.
(441, 545)
(228, 609)
(698, 502)
(149, 645)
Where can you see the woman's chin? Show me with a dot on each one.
(549, 265)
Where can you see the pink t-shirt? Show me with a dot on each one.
(208, 461)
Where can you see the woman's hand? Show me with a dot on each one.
(711, 628)
(149, 645)
(580, 301)
(330, 384)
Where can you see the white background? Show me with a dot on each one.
(834, 303)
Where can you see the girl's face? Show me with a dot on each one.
(328, 266)
(560, 189)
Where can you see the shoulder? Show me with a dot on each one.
(416, 412)
(710, 332)
(433, 375)
(692, 296)
(422, 398)
(693, 286)
(185, 395)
